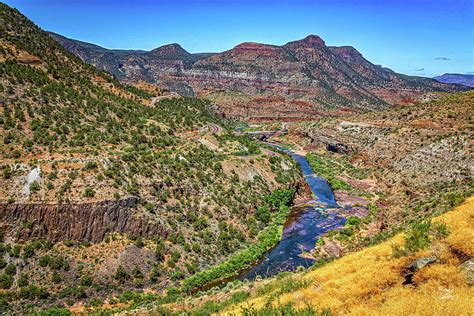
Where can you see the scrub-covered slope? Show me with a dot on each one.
(103, 189)
(433, 275)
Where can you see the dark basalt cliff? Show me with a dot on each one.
(89, 222)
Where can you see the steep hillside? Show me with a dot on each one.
(373, 281)
(301, 79)
(467, 80)
(103, 190)
(408, 162)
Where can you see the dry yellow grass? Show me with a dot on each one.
(369, 282)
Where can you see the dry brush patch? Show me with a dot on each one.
(369, 282)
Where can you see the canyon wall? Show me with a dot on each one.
(88, 222)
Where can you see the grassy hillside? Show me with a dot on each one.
(72, 136)
(369, 281)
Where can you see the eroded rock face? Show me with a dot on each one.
(79, 222)
(301, 79)
(332, 144)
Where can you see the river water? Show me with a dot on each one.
(302, 229)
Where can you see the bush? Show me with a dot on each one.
(90, 165)
(10, 269)
(56, 278)
(149, 207)
(419, 237)
(3, 263)
(89, 192)
(121, 275)
(353, 221)
(7, 172)
(22, 280)
(15, 251)
(86, 280)
(159, 250)
(34, 186)
(263, 214)
(28, 251)
(57, 263)
(6, 281)
(44, 261)
(139, 242)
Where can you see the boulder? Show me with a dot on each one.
(468, 269)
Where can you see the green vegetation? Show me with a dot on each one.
(267, 238)
(328, 169)
(332, 167)
(94, 138)
(419, 237)
(446, 197)
(213, 307)
(287, 309)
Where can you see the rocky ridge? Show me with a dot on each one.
(301, 79)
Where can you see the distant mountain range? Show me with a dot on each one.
(464, 79)
(301, 79)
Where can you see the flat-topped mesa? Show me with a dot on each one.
(305, 71)
(255, 47)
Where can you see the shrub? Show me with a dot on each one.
(419, 237)
(3, 263)
(90, 165)
(139, 242)
(56, 278)
(15, 251)
(28, 251)
(86, 280)
(353, 221)
(22, 280)
(7, 172)
(154, 274)
(121, 275)
(263, 214)
(89, 192)
(6, 281)
(149, 207)
(10, 269)
(34, 186)
(57, 263)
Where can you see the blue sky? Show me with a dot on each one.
(424, 37)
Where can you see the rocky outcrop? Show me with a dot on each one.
(79, 222)
(332, 144)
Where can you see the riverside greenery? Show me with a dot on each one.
(278, 202)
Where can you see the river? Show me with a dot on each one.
(302, 229)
